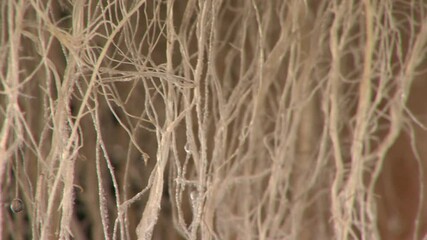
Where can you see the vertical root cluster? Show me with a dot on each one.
(243, 119)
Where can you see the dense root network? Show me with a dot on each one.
(243, 119)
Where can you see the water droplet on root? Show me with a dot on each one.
(16, 205)
(187, 148)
